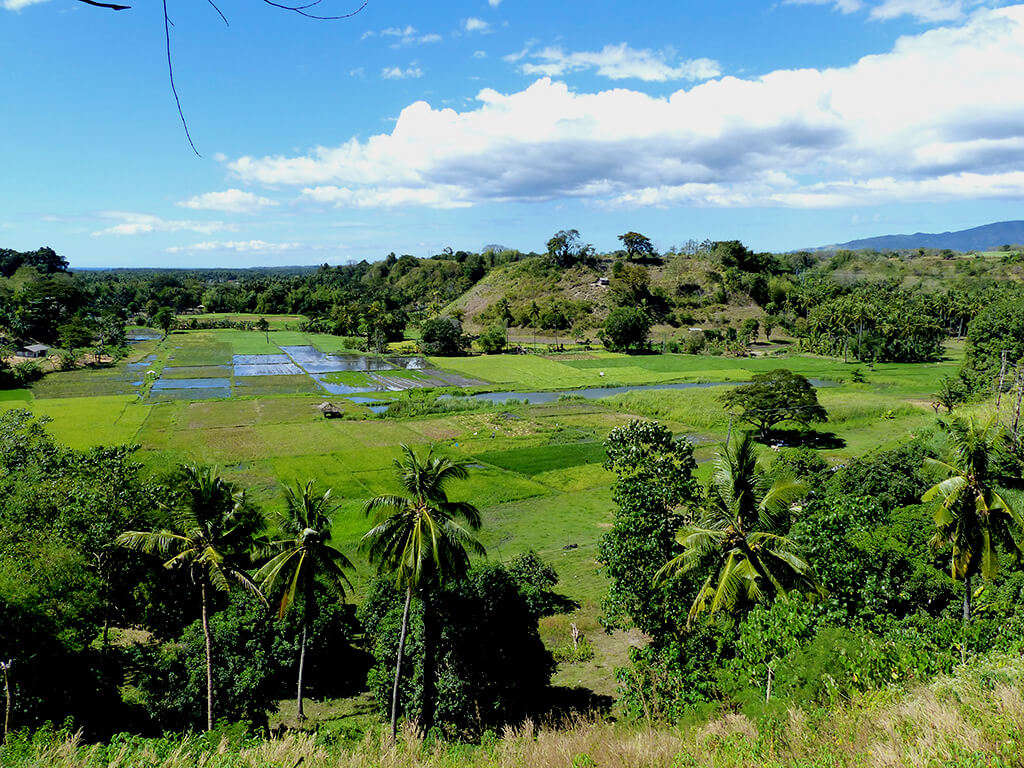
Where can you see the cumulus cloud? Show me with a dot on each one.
(228, 201)
(473, 24)
(397, 73)
(243, 246)
(616, 62)
(130, 223)
(940, 116)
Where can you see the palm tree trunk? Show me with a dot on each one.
(967, 598)
(7, 705)
(967, 617)
(398, 663)
(302, 664)
(209, 661)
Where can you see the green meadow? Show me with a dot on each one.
(537, 471)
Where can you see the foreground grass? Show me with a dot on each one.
(975, 718)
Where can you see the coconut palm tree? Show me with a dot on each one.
(740, 534)
(303, 559)
(417, 539)
(972, 514)
(210, 528)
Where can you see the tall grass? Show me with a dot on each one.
(974, 718)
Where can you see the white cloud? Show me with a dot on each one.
(408, 35)
(616, 62)
(479, 54)
(845, 6)
(143, 223)
(17, 5)
(345, 197)
(242, 246)
(473, 24)
(939, 117)
(228, 201)
(924, 11)
(494, 3)
(397, 73)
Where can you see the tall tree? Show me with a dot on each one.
(774, 397)
(566, 249)
(638, 246)
(305, 558)
(741, 537)
(418, 539)
(164, 319)
(972, 514)
(211, 526)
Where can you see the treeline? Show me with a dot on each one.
(814, 297)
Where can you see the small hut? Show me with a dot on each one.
(329, 410)
(34, 351)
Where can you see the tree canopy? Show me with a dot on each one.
(773, 398)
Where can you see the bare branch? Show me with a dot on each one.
(225, 18)
(299, 10)
(111, 6)
(170, 72)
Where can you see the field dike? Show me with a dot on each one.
(975, 718)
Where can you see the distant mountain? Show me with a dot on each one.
(981, 238)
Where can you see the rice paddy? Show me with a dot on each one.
(247, 403)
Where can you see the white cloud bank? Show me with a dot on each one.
(939, 117)
(241, 246)
(228, 201)
(144, 223)
(616, 62)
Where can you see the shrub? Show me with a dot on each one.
(442, 336)
(493, 340)
(626, 330)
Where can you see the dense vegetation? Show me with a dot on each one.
(710, 296)
(145, 597)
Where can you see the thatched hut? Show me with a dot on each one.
(329, 410)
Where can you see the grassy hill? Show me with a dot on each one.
(584, 292)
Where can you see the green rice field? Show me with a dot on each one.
(537, 470)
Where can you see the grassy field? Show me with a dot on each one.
(537, 470)
(973, 718)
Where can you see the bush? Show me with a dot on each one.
(442, 336)
(493, 340)
(626, 330)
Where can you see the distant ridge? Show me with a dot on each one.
(982, 238)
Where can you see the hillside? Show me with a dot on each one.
(981, 238)
(583, 293)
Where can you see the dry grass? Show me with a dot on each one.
(973, 719)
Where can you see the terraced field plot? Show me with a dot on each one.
(255, 366)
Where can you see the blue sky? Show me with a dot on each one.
(416, 126)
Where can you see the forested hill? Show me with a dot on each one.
(983, 238)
